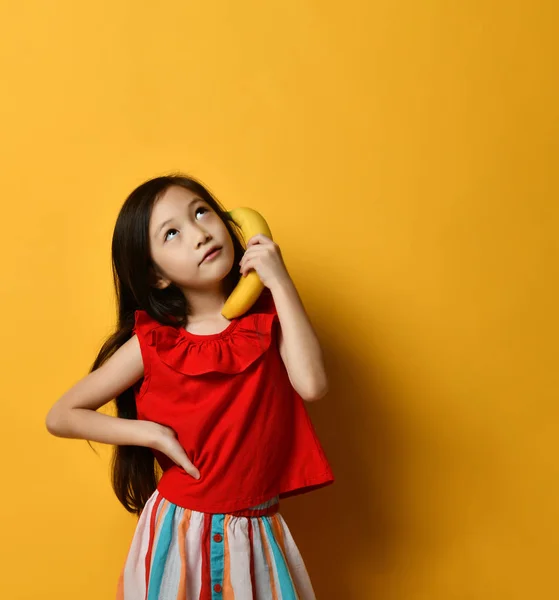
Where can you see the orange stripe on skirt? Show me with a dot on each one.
(183, 528)
(228, 593)
(278, 532)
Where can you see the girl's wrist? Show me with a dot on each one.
(151, 433)
(281, 283)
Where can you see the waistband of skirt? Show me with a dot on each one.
(268, 508)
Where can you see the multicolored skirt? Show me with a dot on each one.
(182, 554)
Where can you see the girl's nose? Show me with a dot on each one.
(204, 237)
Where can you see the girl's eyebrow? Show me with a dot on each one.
(169, 220)
(163, 225)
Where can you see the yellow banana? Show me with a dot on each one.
(249, 288)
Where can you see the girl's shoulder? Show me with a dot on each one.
(232, 350)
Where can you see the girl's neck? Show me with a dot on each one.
(205, 305)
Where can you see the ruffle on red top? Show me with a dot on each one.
(230, 351)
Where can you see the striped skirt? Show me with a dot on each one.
(182, 554)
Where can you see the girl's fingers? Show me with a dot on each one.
(191, 469)
(247, 266)
(179, 457)
(187, 465)
(259, 238)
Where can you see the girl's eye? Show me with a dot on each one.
(167, 233)
(169, 230)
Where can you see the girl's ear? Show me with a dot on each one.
(156, 279)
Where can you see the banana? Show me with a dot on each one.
(249, 288)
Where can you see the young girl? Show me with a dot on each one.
(216, 405)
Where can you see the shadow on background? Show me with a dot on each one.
(354, 521)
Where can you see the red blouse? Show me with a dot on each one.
(229, 399)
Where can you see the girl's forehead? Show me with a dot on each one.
(174, 197)
(173, 202)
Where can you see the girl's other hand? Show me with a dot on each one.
(264, 256)
(165, 440)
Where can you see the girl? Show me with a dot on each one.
(211, 428)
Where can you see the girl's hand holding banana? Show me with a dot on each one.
(261, 265)
(264, 256)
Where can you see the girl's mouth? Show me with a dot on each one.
(212, 255)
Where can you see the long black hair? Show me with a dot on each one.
(134, 470)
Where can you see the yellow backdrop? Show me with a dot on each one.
(405, 155)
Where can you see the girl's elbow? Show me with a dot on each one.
(51, 423)
(316, 392)
(55, 423)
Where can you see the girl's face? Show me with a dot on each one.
(182, 228)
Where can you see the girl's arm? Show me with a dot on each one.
(74, 414)
(298, 344)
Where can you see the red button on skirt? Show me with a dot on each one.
(217, 587)
(217, 537)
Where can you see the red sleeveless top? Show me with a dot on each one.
(229, 399)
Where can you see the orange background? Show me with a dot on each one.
(405, 155)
